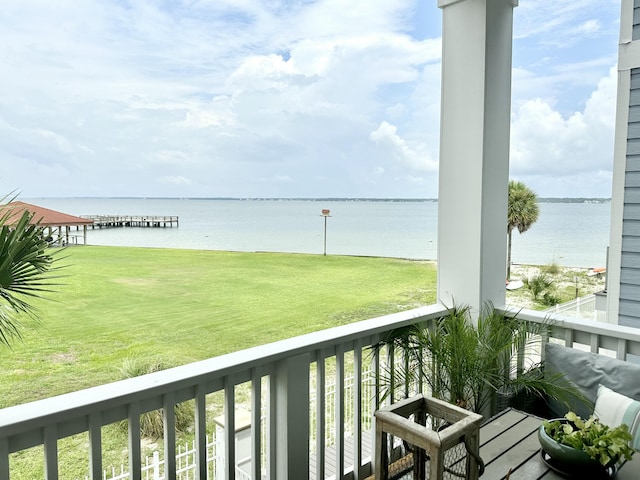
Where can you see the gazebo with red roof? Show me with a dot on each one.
(57, 225)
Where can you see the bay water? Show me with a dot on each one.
(568, 234)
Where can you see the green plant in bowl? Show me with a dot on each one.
(574, 441)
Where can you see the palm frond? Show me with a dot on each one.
(27, 271)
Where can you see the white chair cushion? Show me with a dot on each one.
(614, 409)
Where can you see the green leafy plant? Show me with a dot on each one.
(602, 443)
(538, 285)
(550, 299)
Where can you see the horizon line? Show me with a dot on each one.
(315, 199)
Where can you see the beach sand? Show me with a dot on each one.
(565, 282)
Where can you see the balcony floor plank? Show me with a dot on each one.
(330, 455)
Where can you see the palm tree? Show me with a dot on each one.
(471, 365)
(522, 212)
(25, 262)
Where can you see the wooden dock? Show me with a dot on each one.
(116, 221)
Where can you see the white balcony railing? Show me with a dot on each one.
(284, 379)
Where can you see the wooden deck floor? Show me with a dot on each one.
(509, 443)
(509, 448)
(331, 458)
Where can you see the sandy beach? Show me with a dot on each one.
(566, 280)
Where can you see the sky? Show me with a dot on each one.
(284, 98)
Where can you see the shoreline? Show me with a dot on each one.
(329, 254)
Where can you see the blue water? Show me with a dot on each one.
(569, 234)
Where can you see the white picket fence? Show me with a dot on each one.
(153, 469)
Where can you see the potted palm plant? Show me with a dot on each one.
(473, 365)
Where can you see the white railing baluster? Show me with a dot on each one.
(169, 417)
(357, 409)
(229, 429)
(95, 446)
(595, 343)
(256, 424)
(135, 453)
(568, 337)
(51, 452)
(271, 428)
(201, 433)
(339, 413)
(4, 459)
(520, 357)
(390, 367)
(621, 349)
(405, 363)
(375, 400)
(320, 398)
(420, 379)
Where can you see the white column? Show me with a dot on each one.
(474, 151)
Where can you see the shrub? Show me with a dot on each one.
(538, 285)
(551, 269)
(550, 299)
(152, 423)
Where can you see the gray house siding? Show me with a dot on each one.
(629, 313)
(636, 20)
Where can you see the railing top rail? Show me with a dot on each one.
(579, 324)
(107, 397)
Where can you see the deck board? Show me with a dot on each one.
(498, 424)
(513, 458)
(330, 455)
(512, 435)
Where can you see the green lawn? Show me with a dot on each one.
(187, 305)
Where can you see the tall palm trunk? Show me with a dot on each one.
(509, 254)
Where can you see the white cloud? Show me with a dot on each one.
(263, 73)
(171, 157)
(386, 136)
(174, 180)
(564, 23)
(245, 97)
(590, 27)
(546, 144)
(199, 117)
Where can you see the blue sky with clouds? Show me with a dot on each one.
(271, 98)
